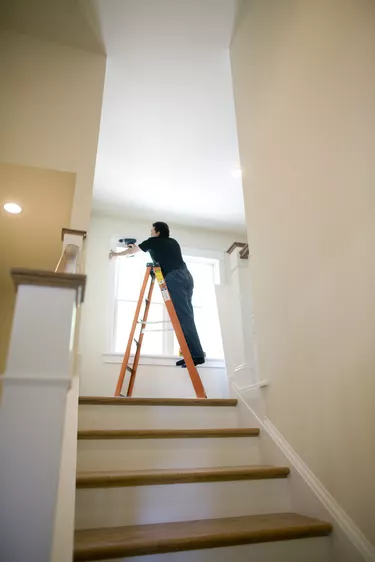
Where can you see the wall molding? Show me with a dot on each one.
(260, 384)
(243, 367)
(24, 380)
(161, 361)
(340, 518)
(247, 387)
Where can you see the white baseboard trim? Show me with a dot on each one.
(339, 516)
(342, 519)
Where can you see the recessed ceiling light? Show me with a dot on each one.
(12, 208)
(237, 173)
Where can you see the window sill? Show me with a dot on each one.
(161, 361)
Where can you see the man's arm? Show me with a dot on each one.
(131, 250)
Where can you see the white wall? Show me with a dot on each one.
(99, 378)
(50, 107)
(304, 87)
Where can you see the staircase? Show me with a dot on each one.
(177, 480)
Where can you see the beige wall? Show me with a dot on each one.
(33, 238)
(304, 86)
(50, 108)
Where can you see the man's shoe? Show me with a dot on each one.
(196, 361)
(199, 361)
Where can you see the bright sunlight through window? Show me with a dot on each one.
(129, 275)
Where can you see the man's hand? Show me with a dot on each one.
(132, 249)
(112, 255)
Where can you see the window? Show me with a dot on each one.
(159, 338)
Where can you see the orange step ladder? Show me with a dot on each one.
(153, 271)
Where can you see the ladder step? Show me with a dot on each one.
(131, 371)
(136, 342)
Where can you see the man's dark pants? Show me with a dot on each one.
(180, 285)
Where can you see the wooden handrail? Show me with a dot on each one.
(243, 249)
(244, 253)
(73, 231)
(55, 279)
(68, 260)
(236, 245)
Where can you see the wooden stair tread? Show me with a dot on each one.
(119, 401)
(109, 479)
(166, 433)
(116, 542)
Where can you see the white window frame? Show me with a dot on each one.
(165, 359)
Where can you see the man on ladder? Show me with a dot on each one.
(167, 252)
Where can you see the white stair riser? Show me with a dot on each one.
(156, 417)
(149, 454)
(172, 382)
(304, 550)
(143, 505)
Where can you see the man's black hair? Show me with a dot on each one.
(162, 228)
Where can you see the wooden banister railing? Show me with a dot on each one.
(243, 249)
(236, 245)
(244, 253)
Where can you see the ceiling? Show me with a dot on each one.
(68, 22)
(168, 140)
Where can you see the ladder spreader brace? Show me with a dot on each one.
(153, 271)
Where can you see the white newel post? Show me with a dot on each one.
(246, 372)
(70, 261)
(32, 411)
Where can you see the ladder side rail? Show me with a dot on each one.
(193, 372)
(140, 340)
(125, 361)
